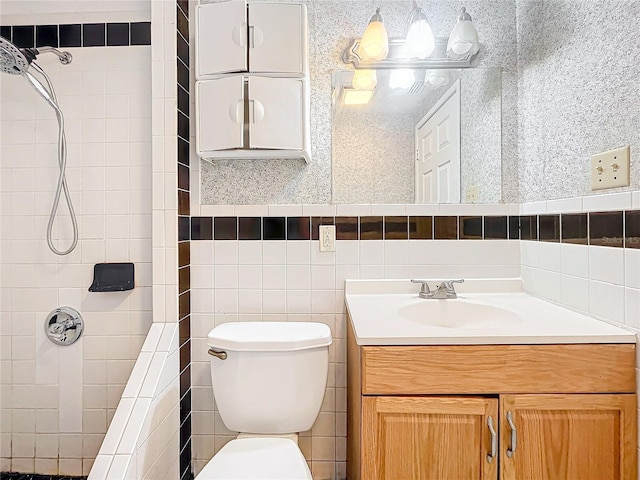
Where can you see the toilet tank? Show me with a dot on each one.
(274, 376)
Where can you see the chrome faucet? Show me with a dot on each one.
(443, 291)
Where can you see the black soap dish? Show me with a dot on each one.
(112, 277)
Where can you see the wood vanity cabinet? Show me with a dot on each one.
(423, 412)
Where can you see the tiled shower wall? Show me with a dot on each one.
(58, 401)
(275, 272)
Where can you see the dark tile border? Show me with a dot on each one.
(549, 228)
(574, 228)
(116, 34)
(470, 228)
(36, 476)
(606, 229)
(632, 229)
(193, 228)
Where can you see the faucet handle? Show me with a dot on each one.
(449, 285)
(425, 286)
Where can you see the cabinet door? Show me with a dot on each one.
(428, 438)
(275, 113)
(220, 114)
(569, 437)
(277, 38)
(221, 38)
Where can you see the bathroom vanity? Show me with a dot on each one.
(545, 393)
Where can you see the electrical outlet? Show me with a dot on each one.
(472, 194)
(610, 169)
(327, 234)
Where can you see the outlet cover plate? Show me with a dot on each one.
(327, 238)
(605, 174)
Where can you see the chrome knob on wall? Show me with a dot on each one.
(64, 326)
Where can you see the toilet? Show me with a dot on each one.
(269, 380)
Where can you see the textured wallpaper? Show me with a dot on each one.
(332, 26)
(578, 66)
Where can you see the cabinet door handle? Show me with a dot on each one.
(239, 34)
(236, 111)
(494, 440)
(512, 449)
(256, 36)
(256, 111)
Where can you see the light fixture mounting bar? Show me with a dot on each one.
(439, 58)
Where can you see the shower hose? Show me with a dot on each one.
(62, 163)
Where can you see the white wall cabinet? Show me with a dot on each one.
(252, 93)
(256, 38)
(250, 112)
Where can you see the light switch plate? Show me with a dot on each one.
(610, 169)
(327, 237)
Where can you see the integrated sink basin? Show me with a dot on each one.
(487, 311)
(459, 313)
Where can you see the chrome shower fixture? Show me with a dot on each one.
(17, 61)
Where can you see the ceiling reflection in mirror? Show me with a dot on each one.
(377, 141)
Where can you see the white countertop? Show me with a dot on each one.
(374, 306)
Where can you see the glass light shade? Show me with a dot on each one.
(419, 41)
(356, 97)
(463, 41)
(364, 80)
(402, 78)
(436, 78)
(374, 44)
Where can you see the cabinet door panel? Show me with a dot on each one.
(221, 43)
(569, 437)
(276, 38)
(427, 438)
(220, 113)
(275, 113)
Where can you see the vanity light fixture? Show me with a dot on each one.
(374, 45)
(419, 42)
(463, 42)
(364, 79)
(419, 50)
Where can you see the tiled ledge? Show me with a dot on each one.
(139, 440)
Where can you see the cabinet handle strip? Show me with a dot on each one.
(512, 449)
(494, 440)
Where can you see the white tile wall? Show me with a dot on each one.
(293, 281)
(61, 399)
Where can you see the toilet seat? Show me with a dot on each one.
(257, 459)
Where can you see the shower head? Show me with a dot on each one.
(16, 60)
(12, 59)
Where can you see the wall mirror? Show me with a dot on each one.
(388, 142)
(349, 144)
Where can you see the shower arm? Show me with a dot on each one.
(65, 57)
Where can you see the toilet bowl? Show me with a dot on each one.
(269, 380)
(257, 458)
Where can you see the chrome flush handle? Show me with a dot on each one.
(222, 355)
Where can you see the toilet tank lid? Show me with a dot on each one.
(269, 336)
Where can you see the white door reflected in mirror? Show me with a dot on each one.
(438, 151)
